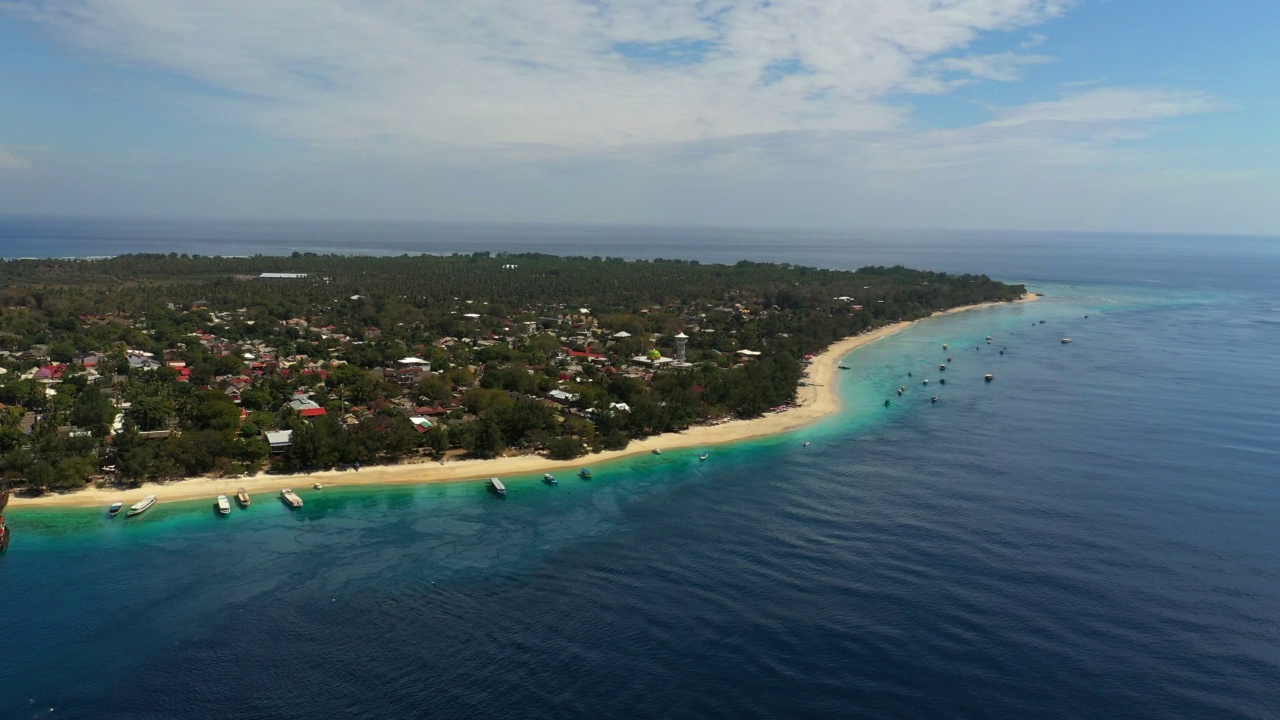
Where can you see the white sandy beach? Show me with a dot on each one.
(814, 402)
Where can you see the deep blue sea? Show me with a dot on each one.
(1096, 534)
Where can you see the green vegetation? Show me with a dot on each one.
(164, 366)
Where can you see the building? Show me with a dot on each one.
(282, 276)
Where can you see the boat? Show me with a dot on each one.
(942, 381)
(1001, 352)
(496, 485)
(1041, 322)
(585, 473)
(4, 528)
(657, 451)
(806, 443)
(115, 509)
(242, 497)
(933, 399)
(843, 367)
(926, 382)
(944, 346)
(224, 505)
(989, 377)
(318, 486)
(988, 339)
(948, 359)
(290, 498)
(702, 457)
(908, 374)
(141, 506)
(1066, 340)
(886, 403)
(549, 479)
(942, 368)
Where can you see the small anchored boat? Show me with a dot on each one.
(926, 382)
(942, 381)
(886, 403)
(115, 509)
(242, 497)
(902, 389)
(989, 377)
(290, 498)
(224, 505)
(496, 485)
(141, 506)
(585, 473)
(318, 486)
(657, 451)
(843, 367)
(944, 346)
(702, 457)
(942, 368)
(549, 479)
(806, 443)
(1066, 340)
(933, 399)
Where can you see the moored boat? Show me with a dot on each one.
(989, 377)
(806, 444)
(702, 457)
(224, 505)
(585, 473)
(496, 485)
(843, 367)
(115, 509)
(549, 479)
(318, 486)
(942, 368)
(141, 506)
(1066, 340)
(242, 497)
(933, 399)
(290, 498)
(902, 389)
(657, 451)
(4, 527)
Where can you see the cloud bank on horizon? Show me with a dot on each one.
(690, 110)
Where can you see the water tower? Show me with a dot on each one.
(682, 342)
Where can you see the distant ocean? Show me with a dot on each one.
(1095, 534)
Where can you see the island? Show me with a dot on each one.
(157, 369)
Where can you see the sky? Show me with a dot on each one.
(1091, 115)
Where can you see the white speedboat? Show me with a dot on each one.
(141, 506)
(496, 485)
(115, 509)
(549, 479)
(224, 505)
(1066, 340)
(657, 451)
(702, 457)
(290, 498)
(318, 486)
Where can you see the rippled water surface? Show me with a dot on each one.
(1096, 533)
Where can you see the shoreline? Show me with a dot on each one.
(813, 403)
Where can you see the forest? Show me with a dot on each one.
(154, 367)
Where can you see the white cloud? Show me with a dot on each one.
(1109, 105)
(499, 72)
(1002, 67)
(9, 161)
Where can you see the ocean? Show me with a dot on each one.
(1095, 534)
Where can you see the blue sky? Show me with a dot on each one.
(1129, 115)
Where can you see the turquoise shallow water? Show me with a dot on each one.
(1091, 535)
